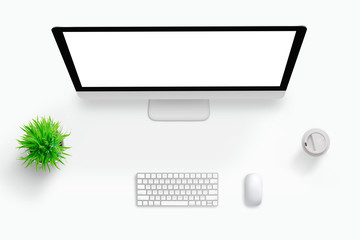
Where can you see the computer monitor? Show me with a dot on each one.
(180, 68)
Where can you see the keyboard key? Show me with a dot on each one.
(141, 175)
(209, 197)
(143, 197)
(212, 192)
(174, 203)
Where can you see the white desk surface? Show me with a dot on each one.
(92, 197)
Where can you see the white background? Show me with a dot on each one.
(145, 59)
(92, 197)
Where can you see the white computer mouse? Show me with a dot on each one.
(253, 189)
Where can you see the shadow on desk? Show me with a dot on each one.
(25, 182)
(112, 104)
(248, 104)
(305, 164)
(130, 104)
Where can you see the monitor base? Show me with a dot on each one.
(179, 109)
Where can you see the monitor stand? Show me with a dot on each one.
(179, 109)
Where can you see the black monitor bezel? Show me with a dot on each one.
(294, 52)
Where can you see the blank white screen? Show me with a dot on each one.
(170, 59)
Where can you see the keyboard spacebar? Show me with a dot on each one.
(174, 203)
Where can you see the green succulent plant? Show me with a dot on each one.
(43, 144)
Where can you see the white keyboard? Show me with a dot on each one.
(177, 189)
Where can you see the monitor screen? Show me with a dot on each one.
(173, 59)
